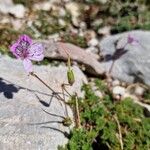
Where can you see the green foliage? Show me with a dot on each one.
(147, 95)
(99, 126)
(100, 85)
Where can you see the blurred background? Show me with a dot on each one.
(81, 22)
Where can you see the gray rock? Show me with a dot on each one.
(105, 31)
(93, 42)
(26, 119)
(134, 64)
(56, 50)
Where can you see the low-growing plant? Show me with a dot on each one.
(108, 124)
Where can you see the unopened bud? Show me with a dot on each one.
(70, 76)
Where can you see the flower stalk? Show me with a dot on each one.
(37, 77)
(77, 113)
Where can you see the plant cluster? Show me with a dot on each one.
(108, 124)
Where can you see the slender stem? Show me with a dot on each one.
(62, 87)
(77, 117)
(69, 59)
(111, 67)
(59, 97)
(66, 84)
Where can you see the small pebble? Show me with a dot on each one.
(117, 97)
(139, 91)
(62, 22)
(89, 34)
(93, 42)
(118, 90)
(62, 12)
(115, 83)
(104, 31)
(83, 25)
(123, 84)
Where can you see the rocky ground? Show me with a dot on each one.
(91, 33)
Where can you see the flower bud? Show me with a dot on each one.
(70, 76)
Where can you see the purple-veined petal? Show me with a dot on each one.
(27, 65)
(36, 52)
(36, 48)
(13, 49)
(20, 48)
(25, 38)
(37, 57)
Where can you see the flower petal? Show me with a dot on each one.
(20, 48)
(27, 65)
(135, 43)
(37, 57)
(13, 49)
(25, 38)
(36, 52)
(132, 40)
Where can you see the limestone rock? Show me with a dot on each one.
(27, 119)
(55, 50)
(132, 64)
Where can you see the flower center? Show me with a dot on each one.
(22, 49)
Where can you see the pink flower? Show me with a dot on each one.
(27, 51)
(132, 40)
